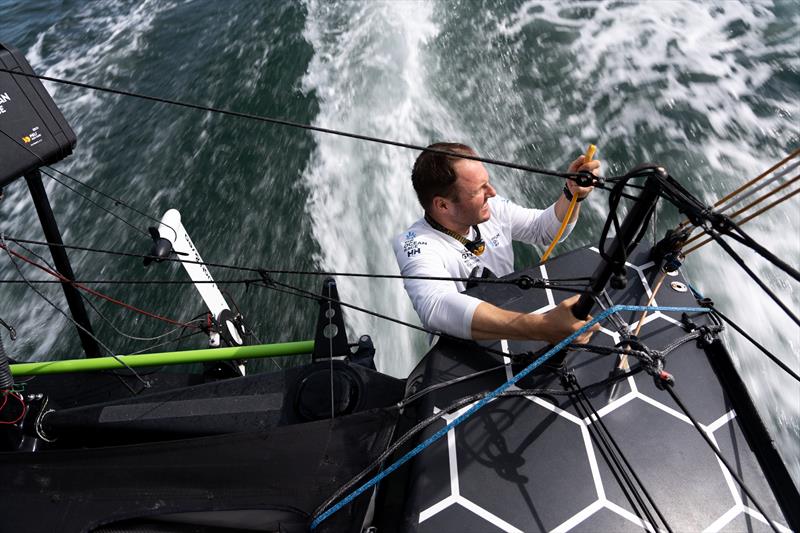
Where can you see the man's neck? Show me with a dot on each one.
(455, 228)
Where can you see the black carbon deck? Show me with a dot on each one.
(533, 463)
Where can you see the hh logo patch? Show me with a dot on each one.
(411, 246)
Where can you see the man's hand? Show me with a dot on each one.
(559, 323)
(579, 165)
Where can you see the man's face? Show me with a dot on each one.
(472, 193)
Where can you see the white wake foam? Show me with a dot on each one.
(369, 75)
(701, 73)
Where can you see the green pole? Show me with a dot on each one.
(164, 358)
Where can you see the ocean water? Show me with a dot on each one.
(708, 89)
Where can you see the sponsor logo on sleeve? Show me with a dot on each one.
(411, 246)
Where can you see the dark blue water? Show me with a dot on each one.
(710, 90)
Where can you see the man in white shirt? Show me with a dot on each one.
(466, 225)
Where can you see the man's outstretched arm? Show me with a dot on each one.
(490, 322)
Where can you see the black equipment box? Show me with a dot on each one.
(33, 132)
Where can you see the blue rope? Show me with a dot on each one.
(527, 370)
(694, 291)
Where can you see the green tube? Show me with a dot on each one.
(164, 358)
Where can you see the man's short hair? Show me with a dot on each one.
(433, 174)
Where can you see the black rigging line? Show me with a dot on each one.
(95, 203)
(289, 289)
(669, 388)
(299, 125)
(554, 284)
(755, 343)
(251, 281)
(66, 315)
(725, 246)
(638, 488)
(137, 281)
(96, 310)
(457, 404)
(553, 392)
(622, 480)
(116, 201)
(751, 243)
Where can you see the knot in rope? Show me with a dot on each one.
(652, 361)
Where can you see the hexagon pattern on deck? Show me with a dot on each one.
(606, 508)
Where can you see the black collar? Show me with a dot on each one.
(476, 246)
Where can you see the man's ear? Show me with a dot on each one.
(440, 203)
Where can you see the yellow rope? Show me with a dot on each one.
(589, 155)
(562, 228)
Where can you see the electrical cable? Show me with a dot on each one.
(6, 394)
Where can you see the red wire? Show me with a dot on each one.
(21, 401)
(98, 294)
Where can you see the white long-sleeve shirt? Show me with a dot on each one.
(424, 251)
